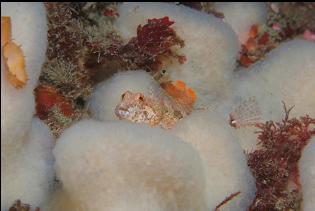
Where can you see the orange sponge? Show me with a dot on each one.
(180, 92)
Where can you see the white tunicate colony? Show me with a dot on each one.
(29, 173)
(116, 165)
(224, 161)
(26, 144)
(29, 29)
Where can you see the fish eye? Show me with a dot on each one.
(163, 71)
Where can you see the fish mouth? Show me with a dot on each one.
(121, 112)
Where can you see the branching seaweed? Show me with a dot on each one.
(275, 164)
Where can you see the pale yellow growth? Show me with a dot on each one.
(5, 30)
(15, 63)
(13, 56)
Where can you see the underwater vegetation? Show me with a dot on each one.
(275, 164)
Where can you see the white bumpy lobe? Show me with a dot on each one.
(28, 174)
(115, 165)
(223, 159)
(29, 29)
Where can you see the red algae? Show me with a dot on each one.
(154, 46)
(275, 164)
(263, 40)
(154, 42)
(46, 98)
(245, 61)
(156, 36)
